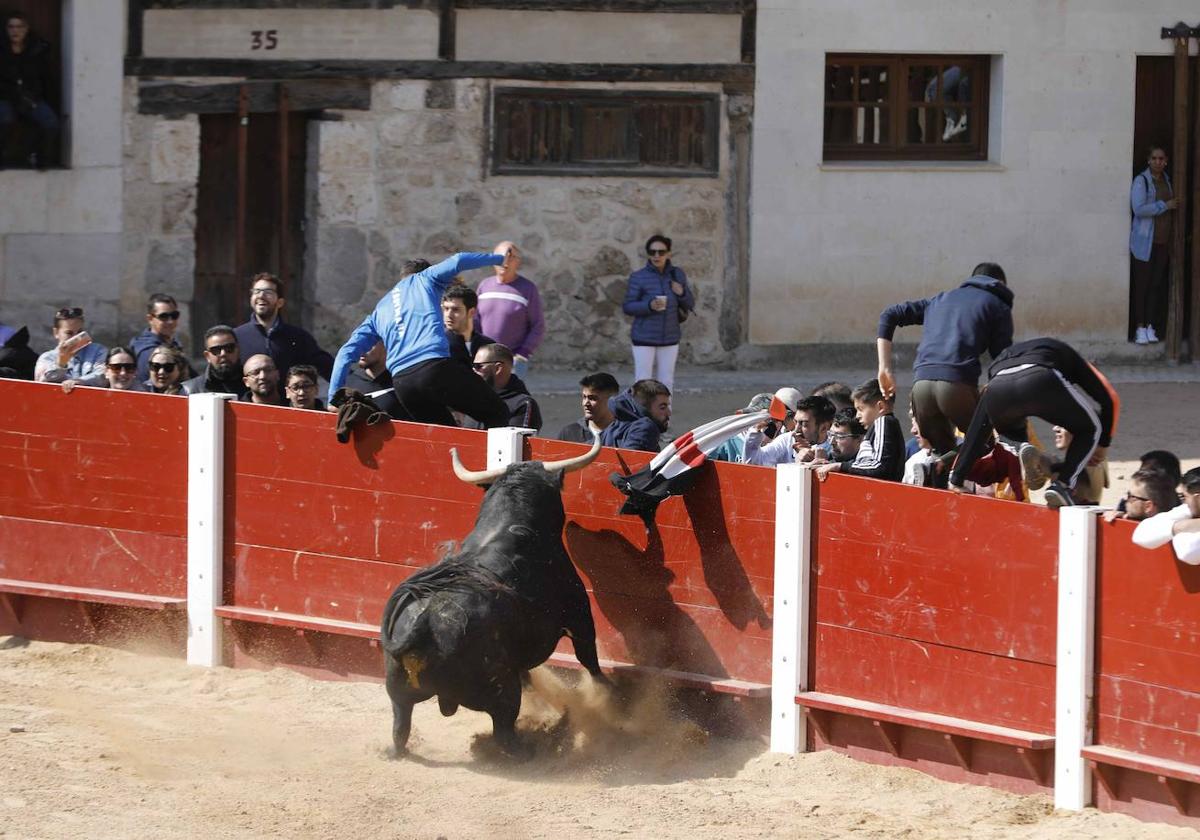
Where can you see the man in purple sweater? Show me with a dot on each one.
(510, 310)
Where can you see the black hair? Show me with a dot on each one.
(498, 352)
(869, 392)
(414, 267)
(219, 329)
(604, 383)
(822, 410)
(157, 298)
(1191, 479)
(848, 417)
(1161, 459)
(658, 237)
(302, 370)
(990, 269)
(117, 351)
(645, 390)
(837, 393)
(1159, 487)
(460, 291)
(270, 278)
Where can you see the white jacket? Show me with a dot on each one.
(1155, 532)
(769, 453)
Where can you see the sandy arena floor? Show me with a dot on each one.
(100, 743)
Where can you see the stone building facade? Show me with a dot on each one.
(405, 170)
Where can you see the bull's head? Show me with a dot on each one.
(562, 467)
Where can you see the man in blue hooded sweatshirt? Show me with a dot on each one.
(960, 325)
(642, 414)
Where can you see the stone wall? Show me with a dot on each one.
(161, 167)
(410, 179)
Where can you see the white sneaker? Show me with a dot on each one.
(1151, 335)
(1141, 337)
(1035, 471)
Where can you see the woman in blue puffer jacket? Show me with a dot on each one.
(658, 298)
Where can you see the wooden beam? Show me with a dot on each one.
(1176, 791)
(1194, 209)
(171, 99)
(740, 76)
(447, 30)
(714, 7)
(133, 24)
(821, 723)
(243, 139)
(277, 4)
(749, 30)
(962, 749)
(1035, 763)
(1107, 777)
(889, 734)
(1179, 155)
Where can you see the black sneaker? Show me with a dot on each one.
(1057, 495)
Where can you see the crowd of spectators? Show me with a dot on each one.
(435, 350)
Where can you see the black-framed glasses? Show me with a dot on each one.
(218, 349)
(168, 316)
(482, 365)
(127, 367)
(162, 367)
(302, 385)
(263, 293)
(656, 252)
(67, 313)
(843, 436)
(1133, 497)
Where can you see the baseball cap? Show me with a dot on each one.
(760, 402)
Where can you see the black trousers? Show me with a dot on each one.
(429, 390)
(1150, 287)
(1011, 398)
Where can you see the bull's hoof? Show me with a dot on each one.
(396, 753)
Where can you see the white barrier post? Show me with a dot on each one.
(506, 446)
(1073, 687)
(789, 634)
(205, 526)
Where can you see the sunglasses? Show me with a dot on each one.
(168, 316)
(127, 367)
(162, 367)
(481, 365)
(657, 252)
(67, 313)
(218, 349)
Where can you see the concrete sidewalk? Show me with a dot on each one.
(694, 379)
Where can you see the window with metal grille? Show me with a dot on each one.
(578, 132)
(904, 107)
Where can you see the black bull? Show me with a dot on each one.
(468, 628)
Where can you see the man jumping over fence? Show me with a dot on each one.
(1045, 378)
(408, 319)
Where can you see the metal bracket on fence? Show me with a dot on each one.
(506, 445)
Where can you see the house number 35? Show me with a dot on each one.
(264, 39)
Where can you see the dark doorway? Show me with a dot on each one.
(221, 296)
(1154, 125)
(45, 21)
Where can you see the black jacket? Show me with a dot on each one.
(208, 383)
(285, 343)
(31, 73)
(523, 410)
(465, 351)
(577, 432)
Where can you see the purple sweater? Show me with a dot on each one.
(511, 313)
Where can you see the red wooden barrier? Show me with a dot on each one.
(327, 530)
(1147, 679)
(93, 493)
(928, 602)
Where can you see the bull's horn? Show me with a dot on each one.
(577, 463)
(474, 476)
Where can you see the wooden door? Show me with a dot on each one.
(1154, 125)
(222, 297)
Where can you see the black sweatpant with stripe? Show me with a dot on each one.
(429, 389)
(1013, 396)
